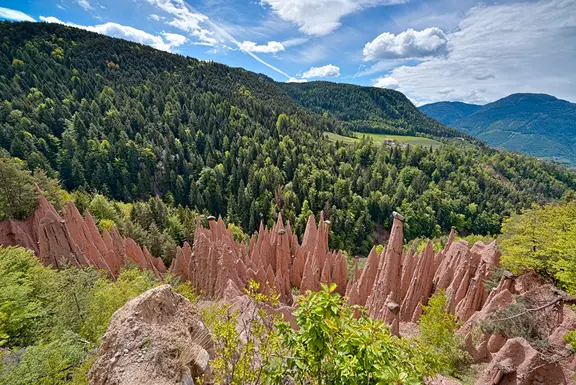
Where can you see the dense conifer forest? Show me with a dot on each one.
(369, 109)
(111, 117)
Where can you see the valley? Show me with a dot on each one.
(378, 139)
(169, 220)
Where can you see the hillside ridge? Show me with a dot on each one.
(130, 123)
(368, 109)
(539, 125)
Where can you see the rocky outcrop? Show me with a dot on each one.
(519, 363)
(158, 338)
(514, 360)
(71, 240)
(393, 285)
(273, 258)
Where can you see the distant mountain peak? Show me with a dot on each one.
(537, 124)
(449, 112)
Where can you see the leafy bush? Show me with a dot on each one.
(107, 297)
(51, 321)
(46, 363)
(543, 239)
(330, 346)
(246, 348)
(333, 346)
(570, 338)
(438, 332)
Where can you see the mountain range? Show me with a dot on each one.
(535, 124)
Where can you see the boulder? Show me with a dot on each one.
(158, 338)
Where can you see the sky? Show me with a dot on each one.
(431, 50)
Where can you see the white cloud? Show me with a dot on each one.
(155, 17)
(387, 82)
(409, 44)
(294, 80)
(327, 71)
(12, 14)
(320, 17)
(174, 39)
(295, 42)
(379, 66)
(499, 50)
(186, 20)
(129, 33)
(271, 47)
(84, 4)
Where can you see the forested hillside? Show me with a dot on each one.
(449, 112)
(367, 109)
(124, 120)
(535, 124)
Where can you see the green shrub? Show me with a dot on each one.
(244, 349)
(333, 346)
(570, 338)
(107, 297)
(46, 363)
(438, 332)
(542, 239)
(51, 321)
(22, 313)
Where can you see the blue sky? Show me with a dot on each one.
(431, 50)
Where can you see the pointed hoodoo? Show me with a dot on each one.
(283, 263)
(364, 284)
(451, 238)
(95, 233)
(73, 240)
(392, 286)
(310, 235)
(408, 267)
(56, 245)
(339, 272)
(385, 295)
(420, 287)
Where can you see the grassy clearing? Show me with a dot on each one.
(379, 138)
(340, 138)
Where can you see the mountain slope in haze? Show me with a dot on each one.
(535, 124)
(116, 118)
(367, 109)
(449, 112)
